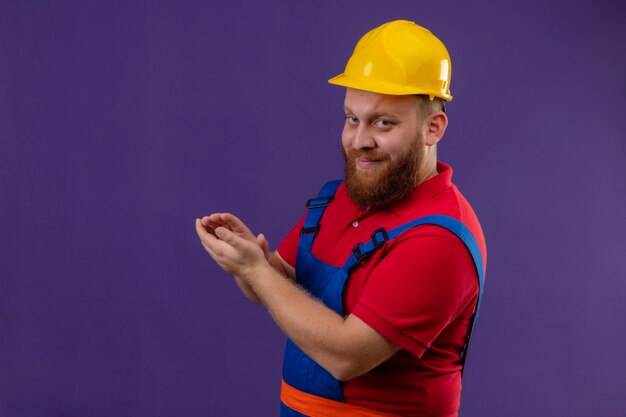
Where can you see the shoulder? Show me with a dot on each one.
(450, 203)
(429, 250)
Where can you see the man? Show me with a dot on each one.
(378, 285)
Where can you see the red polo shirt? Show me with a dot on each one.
(419, 291)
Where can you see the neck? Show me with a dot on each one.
(427, 170)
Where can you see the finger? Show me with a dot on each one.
(263, 243)
(215, 217)
(231, 238)
(213, 225)
(200, 229)
(207, 225)
(212, 220)
(211, 217)
(217, 248)
(236, 225)
(204, 232)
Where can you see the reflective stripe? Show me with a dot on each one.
(314, 406)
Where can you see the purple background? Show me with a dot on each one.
(123, 121)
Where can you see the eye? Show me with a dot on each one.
(352, 120)
(382, 123)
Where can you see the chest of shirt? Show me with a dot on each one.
(341, 230)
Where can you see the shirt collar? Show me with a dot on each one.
(422, 193)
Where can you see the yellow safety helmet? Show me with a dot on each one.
(399, 58)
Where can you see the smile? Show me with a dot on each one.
(364, 163)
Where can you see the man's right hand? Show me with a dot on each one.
(235, 225)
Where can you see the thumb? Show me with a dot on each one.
(225, 234)
(263, 243)
(230, 237)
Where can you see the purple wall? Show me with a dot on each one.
(123, 121)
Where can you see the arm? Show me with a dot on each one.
(279, 266)
(345, 347)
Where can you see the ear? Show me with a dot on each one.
(435, 126)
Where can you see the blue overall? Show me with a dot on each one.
(327, 282)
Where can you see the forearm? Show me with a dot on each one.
(344, 347)
(247, 290)
(274, 260)
(315, 328)
(279, 265)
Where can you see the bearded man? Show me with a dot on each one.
(378, 286)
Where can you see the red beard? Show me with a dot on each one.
(394, 181)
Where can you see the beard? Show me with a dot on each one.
(392, 182)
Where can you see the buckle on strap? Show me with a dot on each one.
(379, 237)
(361, 251)
(358, 252)
(319, 202)
(310, 230)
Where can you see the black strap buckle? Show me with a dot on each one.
(310, 230)
(379, 237)
(358, 252)
(319, 202)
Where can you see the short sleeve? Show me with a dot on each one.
(424, 281)
(288, 248)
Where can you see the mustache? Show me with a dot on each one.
(370, 154)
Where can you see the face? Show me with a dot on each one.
(383, 147)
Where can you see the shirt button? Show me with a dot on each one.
(355, 224)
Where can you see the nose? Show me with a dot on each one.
(363, 137)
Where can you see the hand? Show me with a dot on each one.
(235, 254)
(234, 224)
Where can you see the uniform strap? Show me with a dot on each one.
(316, 207)
(380, 236)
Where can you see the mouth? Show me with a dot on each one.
(365, 164)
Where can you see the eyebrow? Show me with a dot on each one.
(375, 115)
(382, 115)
